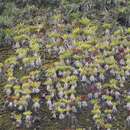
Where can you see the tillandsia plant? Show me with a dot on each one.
(23, 89)
(85, 71)
(98, 64)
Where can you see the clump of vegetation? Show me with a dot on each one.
(62, 67)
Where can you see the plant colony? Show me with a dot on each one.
(85, 71)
